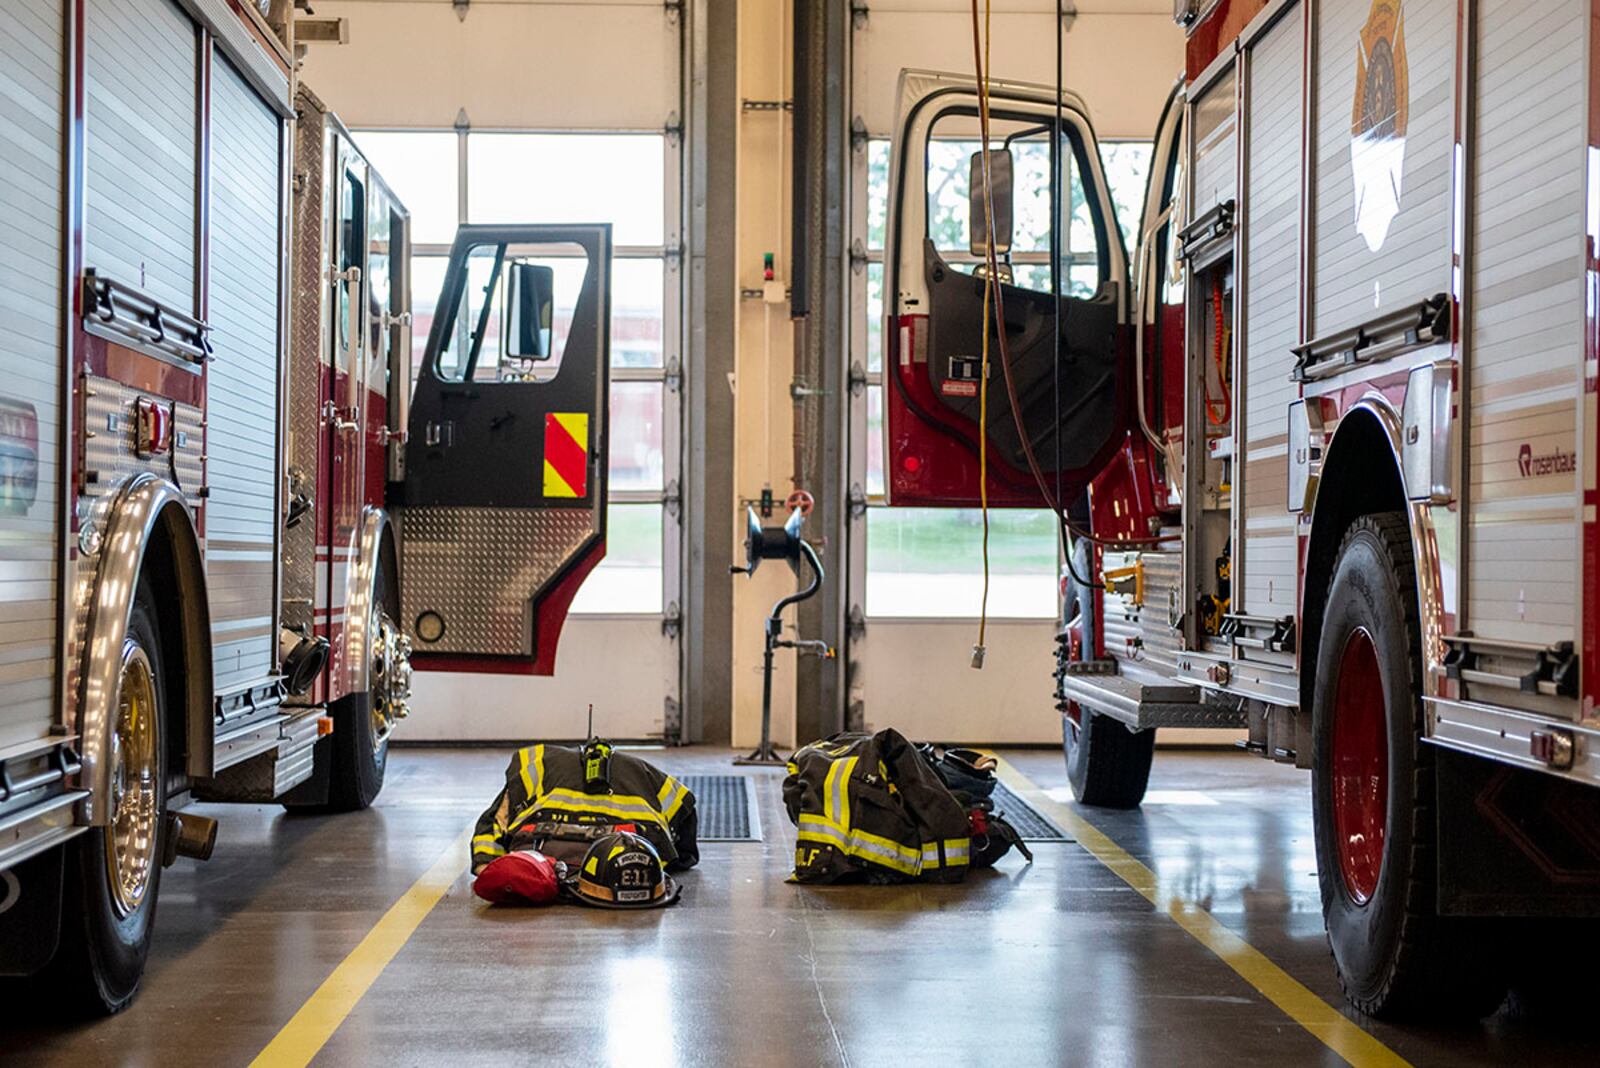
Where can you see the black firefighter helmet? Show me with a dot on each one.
(622, 870)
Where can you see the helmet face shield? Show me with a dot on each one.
(623, 871)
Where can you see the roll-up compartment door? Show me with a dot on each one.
(1529, 306)
(242, 385)
(1216, 166)
(1265, 565)
(141, 139)
(31, 189)
(1385, 122)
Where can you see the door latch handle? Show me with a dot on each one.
(334, 415)
(386, 435)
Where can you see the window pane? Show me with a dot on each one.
(635, 441)
(1127, 165)
(877, 192)
(576, 178)
(636, 313)
(874, 317)
(427, 279)
(421, 169)
(928, 562)
(521, 339)
(874, 442)
(948, 182)
(629, 578)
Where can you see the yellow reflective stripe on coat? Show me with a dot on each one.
(869, 847)
(622, 807)
(488, 843)
(957, 852)
(836, 792)
(671, 797)
(532, 775)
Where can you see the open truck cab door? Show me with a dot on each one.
(935, 297)
(502, 508)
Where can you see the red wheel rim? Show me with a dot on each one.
(1360, 766)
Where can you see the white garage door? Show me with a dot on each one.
(916, 574)
(578, 136)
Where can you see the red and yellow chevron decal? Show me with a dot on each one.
(566, 454)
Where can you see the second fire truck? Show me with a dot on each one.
(1326, 442)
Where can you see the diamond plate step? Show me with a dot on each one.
(1143, 705)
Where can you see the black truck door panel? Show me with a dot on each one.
(502, 511)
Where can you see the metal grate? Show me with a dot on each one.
(1032, 826)
(726, 806)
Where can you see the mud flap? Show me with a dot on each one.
(1516, 842)
(30, 913)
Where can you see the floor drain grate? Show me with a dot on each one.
(726, 806)
(1032, 826)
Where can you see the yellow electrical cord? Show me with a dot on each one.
(988, 290)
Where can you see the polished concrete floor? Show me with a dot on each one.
(1060, 963)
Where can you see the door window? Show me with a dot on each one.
(953, 141)
(352, 254)
(512, 317)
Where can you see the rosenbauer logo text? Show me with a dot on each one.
(1552, 463)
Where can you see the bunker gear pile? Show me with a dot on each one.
(870, 806)
(544, 805)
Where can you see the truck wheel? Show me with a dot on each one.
(1373, 794)
(361, 730)
(1107, 764)
(113, 872)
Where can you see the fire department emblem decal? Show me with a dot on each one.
(1378, 122)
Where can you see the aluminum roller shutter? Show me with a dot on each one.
(1216, 163)
(1404, 255)
(141, 144)
(1265, 569)
(32, 51)
(1527, 308)
(242, 381)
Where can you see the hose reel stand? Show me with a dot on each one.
(780, 543)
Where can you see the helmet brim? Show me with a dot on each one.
(671, 891)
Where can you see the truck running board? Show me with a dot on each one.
(1144, 705)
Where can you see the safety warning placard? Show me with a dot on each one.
(566, 454)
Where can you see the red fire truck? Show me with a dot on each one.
(227, 514)
(1325, 449)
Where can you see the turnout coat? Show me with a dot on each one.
(544, 799)
(870, 806)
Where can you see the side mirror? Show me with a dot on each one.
(530, 301)
(1000, 177)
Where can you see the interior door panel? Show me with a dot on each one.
(1074, 413)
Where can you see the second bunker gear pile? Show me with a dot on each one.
(869, 806)
(544, 805)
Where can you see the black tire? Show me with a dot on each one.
(358, 764)
(101, 958)
(1395, 957)
(1107, 764)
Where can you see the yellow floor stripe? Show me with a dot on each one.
(1335, 1030)
(310, 1028)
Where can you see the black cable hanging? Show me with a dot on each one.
(1068, 547)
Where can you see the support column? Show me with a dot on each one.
(820, 306)
(711, 103)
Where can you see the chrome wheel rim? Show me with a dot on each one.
(391, 677)
(135, 811)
